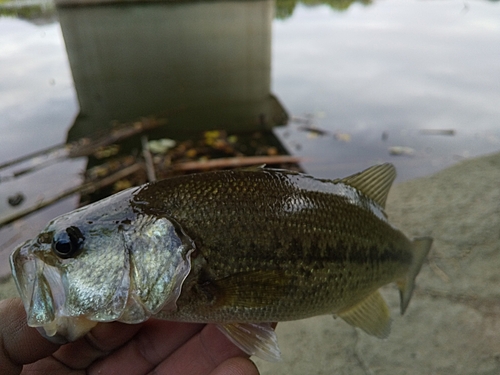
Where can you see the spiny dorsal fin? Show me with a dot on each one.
(373, 182)
(252, 168)
(371, 315)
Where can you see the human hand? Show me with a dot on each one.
(162, 346)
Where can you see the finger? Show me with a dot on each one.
(236, 366)
(49, 365)
(156, 340)
(200, 355)
(19, 344)
(100, 341)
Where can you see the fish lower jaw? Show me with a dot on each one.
(66, 329)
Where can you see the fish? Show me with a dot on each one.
(237, 248)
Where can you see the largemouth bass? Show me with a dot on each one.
(239, 248)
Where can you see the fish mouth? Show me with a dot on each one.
(42, 292)
(27, 271)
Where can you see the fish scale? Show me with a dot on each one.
(335, 239)
(239, 249)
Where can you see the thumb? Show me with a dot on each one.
(19, 344)
(236, 366)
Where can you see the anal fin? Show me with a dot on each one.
(257, 339)
(371, 315)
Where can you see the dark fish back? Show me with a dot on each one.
(266, 219)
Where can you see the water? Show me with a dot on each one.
(37, 105)
(372, 77)
(394, 67)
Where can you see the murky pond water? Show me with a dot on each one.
(388, 71)
(415, 83)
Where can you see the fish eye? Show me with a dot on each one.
(67, 244)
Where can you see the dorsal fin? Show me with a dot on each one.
(373, 182)
(252, 168)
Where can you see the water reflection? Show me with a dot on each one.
(369, 77)
(285, 8)
(39, 12)
(43, 11)
(195, 66)
(383, 73)
(202, 65)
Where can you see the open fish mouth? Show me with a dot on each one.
(30, 275)
(43, 294)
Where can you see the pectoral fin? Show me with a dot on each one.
(257, 339)
(371, 315)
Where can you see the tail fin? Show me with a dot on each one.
(420, 249)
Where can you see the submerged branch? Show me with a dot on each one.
(234, 162)
(88, 188)
(150, 168)
(83, 147)
(32, 155)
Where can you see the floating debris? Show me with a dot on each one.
(16, 199)
(272, 151)
(121, 131)
(113, 167)
(161, 146)
(301, 120)
(314, 131)
(106, 151)
(437, 131)
(234, 162)
(122, 185)
(109, 167)
(342, 137)
(401, 151)
(84, 189)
